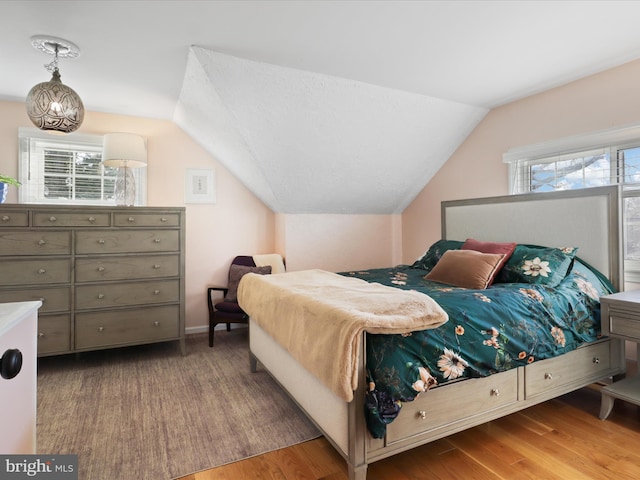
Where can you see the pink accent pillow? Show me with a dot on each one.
(504, 248)
(466, 269)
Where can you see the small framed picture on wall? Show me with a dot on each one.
(200, 186)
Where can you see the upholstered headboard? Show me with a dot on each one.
(589, 219)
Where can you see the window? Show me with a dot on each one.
(537, 169)
(68, 170)
(564, 172)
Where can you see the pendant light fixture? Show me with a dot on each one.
(53, 106)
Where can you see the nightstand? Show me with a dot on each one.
(621, 319)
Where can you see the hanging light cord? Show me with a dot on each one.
(53, 66)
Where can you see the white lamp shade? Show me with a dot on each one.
(124, 150)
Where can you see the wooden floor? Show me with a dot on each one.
(560, 439)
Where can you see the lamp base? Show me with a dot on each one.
(125, 187)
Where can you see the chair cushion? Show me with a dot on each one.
(228, 307)
(236, 272)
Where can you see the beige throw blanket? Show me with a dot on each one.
(318, 317)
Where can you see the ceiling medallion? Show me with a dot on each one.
(53, 106)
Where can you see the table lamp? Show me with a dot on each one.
(124, 151)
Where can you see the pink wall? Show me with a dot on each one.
(341, 242)
(238, 223)
(599, 102)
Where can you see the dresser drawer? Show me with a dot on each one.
(37, 272)
(11, 218)
(54, 299)
(69, 219)
(127, 241)
(127, 268)
(35, 243)
(135, 219)
(126, 294)
(547, 375)
(54, 334)
(440, 409)
(121, 327)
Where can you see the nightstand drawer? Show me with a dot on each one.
(624, 325)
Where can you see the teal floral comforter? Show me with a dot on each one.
(502, 327)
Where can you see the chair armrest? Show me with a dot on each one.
(217, 288)
(214, 288)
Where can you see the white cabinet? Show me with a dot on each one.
(18, 328)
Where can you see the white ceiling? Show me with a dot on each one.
(313, 75)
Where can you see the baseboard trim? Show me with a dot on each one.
(194, 330)
(205, 328)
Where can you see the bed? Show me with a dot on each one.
(587, 219)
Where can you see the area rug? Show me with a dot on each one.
(147, 412)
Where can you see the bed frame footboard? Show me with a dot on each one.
(587, 365)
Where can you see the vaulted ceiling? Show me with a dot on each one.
(319, 106)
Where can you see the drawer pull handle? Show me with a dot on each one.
(156, 323)
(156, 292)
(52, 218)
(40, 335)
(41, 241)
(42, 271)
(495, 392)
(100, 296)
(164, 219)
(101, 329)
(596, 360)
(422, 414)
(156, 240)
(92, 219)
(101, 269)
(156, 266)
(131, 219)
(548, 376)
(6, 218)
(41, 299)
(101, 241)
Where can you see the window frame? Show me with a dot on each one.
(613, 141)
(31, 167)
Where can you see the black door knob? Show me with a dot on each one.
(10, 363)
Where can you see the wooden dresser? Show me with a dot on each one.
(106, 276)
